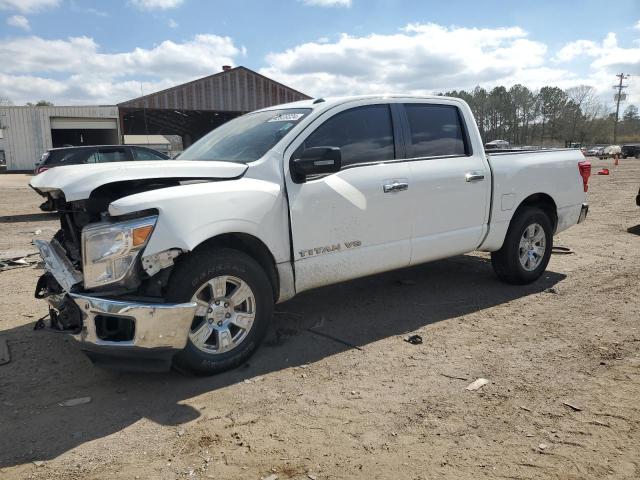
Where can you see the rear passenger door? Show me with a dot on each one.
(451, 181)
(353, 222)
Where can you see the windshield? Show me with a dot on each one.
(245, 138)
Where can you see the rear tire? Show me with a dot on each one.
(526, 251)
(235, 301)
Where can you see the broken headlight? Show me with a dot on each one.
(109, 250)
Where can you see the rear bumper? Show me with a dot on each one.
(583, 212)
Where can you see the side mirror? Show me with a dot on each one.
(315, 161)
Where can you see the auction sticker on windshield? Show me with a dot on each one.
(287, 117)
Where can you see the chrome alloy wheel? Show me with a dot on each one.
(225, 314)
(532, 247)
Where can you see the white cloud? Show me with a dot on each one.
(172, 23)
(19, 21)
(637, 25)
(607, 59)
(157, 4)
(328, 3)
(28, 6)
(83, 74)
(421, 58)
(430, 58)
(605, 54)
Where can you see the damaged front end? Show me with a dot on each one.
(103, 290)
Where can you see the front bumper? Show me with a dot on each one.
(583, 212)
(110, 329)
(156, 325)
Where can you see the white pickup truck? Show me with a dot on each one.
(180, 262)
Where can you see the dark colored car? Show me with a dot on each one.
(631, 150)
(57, 157)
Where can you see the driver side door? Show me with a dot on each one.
(354, 222)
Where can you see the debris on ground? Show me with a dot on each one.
(543, 446)
(5, 355)
(553, 290)
(39, 325)
(273, 476)
(38, 463)
(572, 407)
(454, 377)
(75, 401)
(477, 384)
(414, 339)
(19, 262)
(335, 339)
(559, 250)
(604, 171)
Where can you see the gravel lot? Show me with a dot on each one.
(307, 407)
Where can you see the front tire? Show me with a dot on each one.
(235, 304)
(526, 251)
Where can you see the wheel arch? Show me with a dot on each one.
(542, 201)
(252, 246)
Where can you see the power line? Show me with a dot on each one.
(618, 97)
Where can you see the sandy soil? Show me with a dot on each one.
(307, 407)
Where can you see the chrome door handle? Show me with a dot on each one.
(395, 187)
(474, 176)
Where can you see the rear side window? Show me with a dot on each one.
(143, 154)
(436, 130)
(364, 134)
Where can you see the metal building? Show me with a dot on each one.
(189, 110)
(195, 108)
(27, 132)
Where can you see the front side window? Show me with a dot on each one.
(436, 130)
(246, 138)
(364, 134)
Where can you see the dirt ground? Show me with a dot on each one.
(306, 407)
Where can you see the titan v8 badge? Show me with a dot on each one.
(336, 247)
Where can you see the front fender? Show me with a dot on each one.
(192, 214)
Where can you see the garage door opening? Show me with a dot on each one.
(83, 131)
(74, 138)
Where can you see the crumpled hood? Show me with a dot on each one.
(78, 181)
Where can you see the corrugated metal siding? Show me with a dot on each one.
(27, 130)
(236, 90)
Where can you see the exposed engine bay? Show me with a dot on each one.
(76, 215)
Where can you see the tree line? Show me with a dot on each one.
(547, 117)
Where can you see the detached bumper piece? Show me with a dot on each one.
(583, 212)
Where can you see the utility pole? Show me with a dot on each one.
(618, 98)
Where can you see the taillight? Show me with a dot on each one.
(585, 173)
(41, 169)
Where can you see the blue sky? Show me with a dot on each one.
(82, 51)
